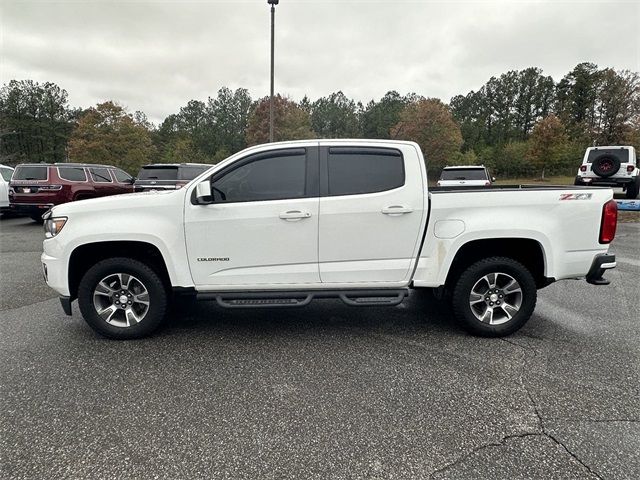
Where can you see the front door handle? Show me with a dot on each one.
(294, 215)
(395, 210)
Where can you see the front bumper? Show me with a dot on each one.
(55, 270)
(602, 262)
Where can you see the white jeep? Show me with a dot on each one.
(610, 167)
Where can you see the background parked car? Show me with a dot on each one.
(168, 176)
(35, 188)
(610, 167)
(465, 176)
(5, 178)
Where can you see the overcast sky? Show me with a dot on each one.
(154, 56)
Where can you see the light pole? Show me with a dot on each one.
(273, 4)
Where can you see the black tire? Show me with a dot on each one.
(473, 276)
(577, 181)
(36, 218)
(144, 275)
(633, 189)
(605, 165)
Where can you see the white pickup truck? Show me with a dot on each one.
(281, 224)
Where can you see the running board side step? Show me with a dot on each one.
(354, 298)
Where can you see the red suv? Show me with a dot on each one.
(35, 188)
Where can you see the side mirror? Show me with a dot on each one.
(203, 192)
(133, 180)
(493, 179)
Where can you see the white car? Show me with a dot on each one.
(5, 178)
(465, 176)
(285, 223)
(611, 167)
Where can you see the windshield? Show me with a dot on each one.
(464, 174)
(158, 173)
(30, 173)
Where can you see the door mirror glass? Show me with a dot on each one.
(203, 192)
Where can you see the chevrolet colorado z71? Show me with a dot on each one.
(284, 223)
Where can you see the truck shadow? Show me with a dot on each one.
(418, 313)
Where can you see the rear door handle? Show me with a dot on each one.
(294, 215)
(394, 210)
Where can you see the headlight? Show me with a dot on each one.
(53, 225)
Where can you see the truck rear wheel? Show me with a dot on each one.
(494, 297)
(633, 188)
(122, 298)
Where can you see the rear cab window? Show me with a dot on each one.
(72, 174)
(191, 171)
(158, 173)
(35, 172)
(354, 171)
(464, 174)
(621, 154)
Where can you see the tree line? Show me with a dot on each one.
(521, 123)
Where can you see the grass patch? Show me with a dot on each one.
(628, 217)
(556, 180)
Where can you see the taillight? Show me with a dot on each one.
(583, 168)
(608, 222)
(630, 168)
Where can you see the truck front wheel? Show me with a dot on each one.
(494, 297)
(122, 298)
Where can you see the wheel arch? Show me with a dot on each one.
(85, 256)
(527, 251)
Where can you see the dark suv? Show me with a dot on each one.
(168, 176)
(35, 188)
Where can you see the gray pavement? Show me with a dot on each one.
(323, 392)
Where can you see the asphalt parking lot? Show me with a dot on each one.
(323, 392)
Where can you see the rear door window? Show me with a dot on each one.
(100, 175)
(31, 173)
(353, 171)
(73, 174)
(464, 174)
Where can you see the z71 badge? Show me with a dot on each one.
(575, 196)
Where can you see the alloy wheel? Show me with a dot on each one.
(495, 298)
(121, 300)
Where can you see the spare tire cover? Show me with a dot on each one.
(605, 165)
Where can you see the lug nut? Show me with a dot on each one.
(498, 303)
(491, 303)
